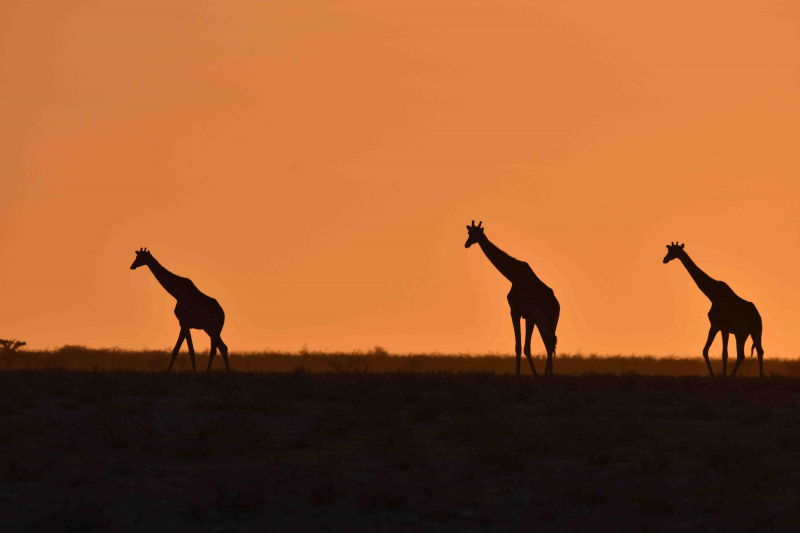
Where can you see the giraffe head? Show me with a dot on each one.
(674, 251)
(142, 258)
(475, 234)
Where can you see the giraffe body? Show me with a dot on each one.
(529, 298)
(729, 314)
(194, 310)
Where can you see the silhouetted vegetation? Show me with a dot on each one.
(355, 450)
(378, 360)
(10, 351)
(11, 345)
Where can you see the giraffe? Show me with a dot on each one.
(194, 309)
(729, 313)
(529, 298)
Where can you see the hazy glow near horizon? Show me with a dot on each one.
(313, 166)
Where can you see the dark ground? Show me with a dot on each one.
(356, 451)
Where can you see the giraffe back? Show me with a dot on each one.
(530, 297)
(733, 314)
(195, 309)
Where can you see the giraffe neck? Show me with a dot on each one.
(704, 282)
(167, 279)
(504, 263)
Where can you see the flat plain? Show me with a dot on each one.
(371, 442)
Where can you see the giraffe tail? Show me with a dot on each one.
(753, 347)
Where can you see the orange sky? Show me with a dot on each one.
(312, 165)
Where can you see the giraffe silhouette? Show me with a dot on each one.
(729, 313)
(194, 309)
(529, 298)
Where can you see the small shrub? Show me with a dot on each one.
(11, 345)
(9, 353)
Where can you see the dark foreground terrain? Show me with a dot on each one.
(358, 451)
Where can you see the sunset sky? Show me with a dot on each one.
(312, 166)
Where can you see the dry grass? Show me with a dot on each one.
(82, 358)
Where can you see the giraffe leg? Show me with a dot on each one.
(548, 338)
(529, 324)
(725, 353)
(711, 334)
(739, 353)
(191, 348)
(177, 348)
(211, 354)
(223, 351)
(517, 337)
(760, 350)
